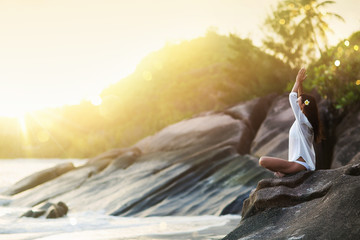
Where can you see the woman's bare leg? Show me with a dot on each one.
(281, 165)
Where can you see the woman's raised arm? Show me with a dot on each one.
(301, 76)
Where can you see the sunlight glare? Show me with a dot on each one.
(356, 47)
(96, 101)
(22, 124)
(347, 43)
(43, 136)
(337, 63)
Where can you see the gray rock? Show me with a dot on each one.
(39, 178)
(323, 204)
(252, 112)
(348, 139)
(55, 187)
(219, 129)
(50, 210)
(272, 138)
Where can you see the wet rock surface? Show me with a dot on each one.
(309, 205)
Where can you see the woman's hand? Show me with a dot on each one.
(301, 76)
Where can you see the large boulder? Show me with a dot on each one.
(210, 130)
(324, 204)
(235, 126)
(252, 112)
(39, 178)
(348, 138)
(272, 138)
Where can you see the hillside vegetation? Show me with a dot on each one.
(174, 83)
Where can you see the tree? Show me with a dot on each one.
(336, 76)
(252, 72)
(297, 30)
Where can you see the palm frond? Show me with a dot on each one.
(331, 14)
(325, 3)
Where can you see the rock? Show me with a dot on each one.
(50, 210)
(189, 168)
(329, 118)
(324, 204)
(272, 138)
(57, 210)
(39, 178)
(210, 130)
(252, 112)
(113, 154)
(236, 126)
(55, 187)
(188, 181)
(178, 182)
(348, 138)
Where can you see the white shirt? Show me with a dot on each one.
(301, 135)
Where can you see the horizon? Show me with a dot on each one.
(83, 47)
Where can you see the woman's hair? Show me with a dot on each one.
(311, 112)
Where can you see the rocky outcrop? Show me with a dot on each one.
(194, 167)
(236, 126)
(272, 138)
(50, 210)
(217, 129)
(39, 178)
(348, 138)
(202, 166)
(309, 205)
(252, 112)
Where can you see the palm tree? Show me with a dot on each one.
(298, 30)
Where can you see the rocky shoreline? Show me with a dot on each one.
(208, 165)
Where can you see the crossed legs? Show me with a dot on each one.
(281, 166)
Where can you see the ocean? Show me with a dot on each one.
(96, 225)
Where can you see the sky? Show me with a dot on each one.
(57, 52)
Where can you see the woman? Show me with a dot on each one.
(303, 132)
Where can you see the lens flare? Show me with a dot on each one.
(96, 101)
(22, 124)
(337, 63)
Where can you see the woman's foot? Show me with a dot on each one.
(279, 174)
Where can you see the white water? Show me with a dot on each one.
(97, 225)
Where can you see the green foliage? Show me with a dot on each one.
(169, 85)
(297, 30)
(253, 73)
(340, 84)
